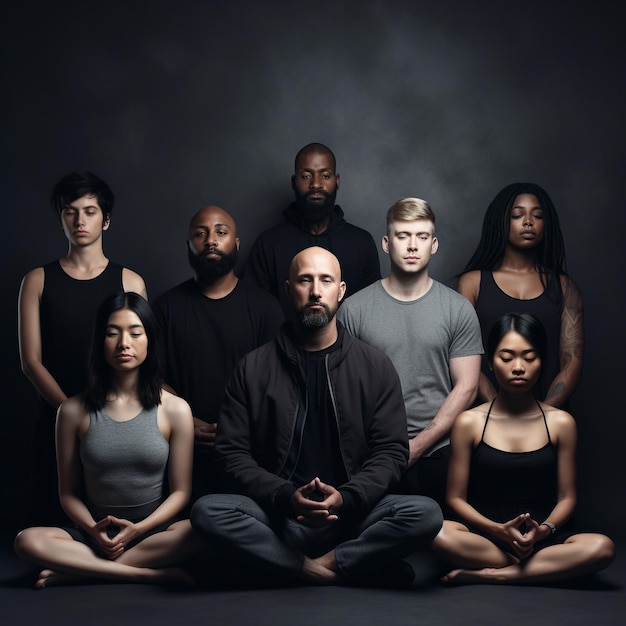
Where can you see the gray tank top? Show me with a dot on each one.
(124, 465)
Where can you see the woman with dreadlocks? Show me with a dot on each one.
(519, 265)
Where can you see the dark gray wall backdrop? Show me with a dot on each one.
(182, 104)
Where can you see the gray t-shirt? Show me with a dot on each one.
(420, 337)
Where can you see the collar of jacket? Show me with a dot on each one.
(289, 349)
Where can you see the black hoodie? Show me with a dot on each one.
(270, 257)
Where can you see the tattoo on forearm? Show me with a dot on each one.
(572, 331)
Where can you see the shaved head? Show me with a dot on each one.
(211, 214)
(313, 148)
(212, 244)
(315, 288)
(318, 258)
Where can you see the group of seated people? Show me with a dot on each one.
(304, 417)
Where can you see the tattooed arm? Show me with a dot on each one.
(571, 345)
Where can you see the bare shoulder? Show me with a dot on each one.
(175, 408)
(73, 410)
(133, 282)
(468, 285)
(34, 280)
(560, 422)
(473, 420)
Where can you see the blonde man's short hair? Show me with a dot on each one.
(408, 210)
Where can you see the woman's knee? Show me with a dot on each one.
(603, 550)
(598, 549)
(29, 542)
(445, 539)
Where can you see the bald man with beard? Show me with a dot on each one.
(312, 440)
(209, 322)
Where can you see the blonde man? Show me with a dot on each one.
(430, 333)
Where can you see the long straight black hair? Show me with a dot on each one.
(99, 371)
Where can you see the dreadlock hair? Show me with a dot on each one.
(549, 253)
(99, 372)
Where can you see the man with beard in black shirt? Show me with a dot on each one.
(209, 322)
(313, 220)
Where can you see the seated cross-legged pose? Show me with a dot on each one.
(120, 443)
(312, 440)
(511, 480)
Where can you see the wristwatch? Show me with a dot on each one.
(550, 525)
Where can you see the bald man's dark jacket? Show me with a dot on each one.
(259, 418)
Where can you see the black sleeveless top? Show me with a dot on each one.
(67, 312)
(504, 484)
(492, 303)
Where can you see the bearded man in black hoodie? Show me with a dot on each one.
(313, 219)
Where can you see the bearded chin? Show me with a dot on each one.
(316, 319)
(208, 270)
(315, 211)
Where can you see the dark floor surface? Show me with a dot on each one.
(596, 601)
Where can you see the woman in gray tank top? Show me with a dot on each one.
(130, 443)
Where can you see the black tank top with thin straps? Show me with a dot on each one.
(504, 484)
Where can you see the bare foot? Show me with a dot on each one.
(169, 576)
(492, 575)
(175, 577)
(317, 573)
(50, 578)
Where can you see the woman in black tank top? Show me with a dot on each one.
(519, 265)
(511, 479)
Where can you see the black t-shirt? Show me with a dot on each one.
(205, 338)
(319, 451)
